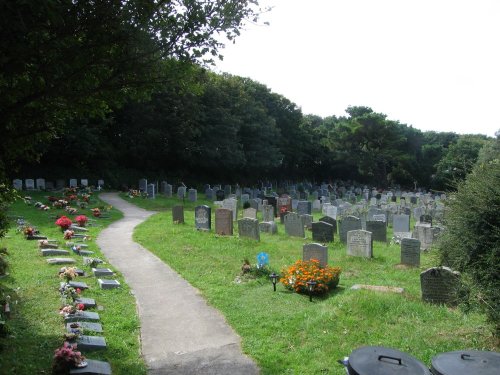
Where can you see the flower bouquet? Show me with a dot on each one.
(64, 222)
(296, 276)
(96, 212)
(65, 358)
(68, 234)
(81, 220)
(68, 273)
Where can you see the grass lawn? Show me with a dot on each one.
(35, 328)
(284, 332)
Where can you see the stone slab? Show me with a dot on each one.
(378, 288)
(83, 316)
(87, 302)
(48, 252)
(102, 272)
(108, 284)
(90, 343)
(93, 368)
(61, 261)
(87, 326)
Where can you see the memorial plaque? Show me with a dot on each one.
(268, 227)
(378, 229)
(61, 261)
(322, 232)
(315, 251)
(93, 368)
(224, 222)
(293, 225)
(178, 214)
(347, 224)
(203, 217)
(87, 326)
(108, 284)
(359, 243)
(249, 228)
(82, 315)
(410, 252)
(48, 252)
(439, 285)
(90, 343)
(102, 272)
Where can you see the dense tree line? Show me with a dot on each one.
(209, 127)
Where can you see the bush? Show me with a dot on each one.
(471, 243)
(296, 276)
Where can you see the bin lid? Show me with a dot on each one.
(378, 360)
(466, 362)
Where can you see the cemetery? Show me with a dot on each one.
(351, 291)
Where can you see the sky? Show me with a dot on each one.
(431, 64)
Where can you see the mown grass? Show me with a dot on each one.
(35, 328)
(283, 331)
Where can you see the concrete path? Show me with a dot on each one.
(180, 333)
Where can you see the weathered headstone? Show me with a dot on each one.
(40, 183)
(426, 218)
(347, 224)
(224, 222)
(250, 213)
(73, 183)
(151, 191)
(401, 223)
(379, 217)
(410, 252)
(272, 202)
(330, 211)
(329, 220)
(143, 184)
(203, 217)
(231, 204)
(181, 192)
(267, 213)
(378, 229)
(424, 233)
(100, 183)
(84, 182)
(307, 221)
(29, 183)
(439, 285)
(315, 251)
(178, 214)
(268, 227)
(193, 195)
(17, 184)
(244, 198)
(322, 232)
(284, 203)
(249, 228)
(359, 243)
(293, 225)
(304, 207)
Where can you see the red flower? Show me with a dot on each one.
(81, 220)
(80, 306)
(64, 222)
(78, 290)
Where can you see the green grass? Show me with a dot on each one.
(283, 331)
(35, 327)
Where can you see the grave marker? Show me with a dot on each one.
(249, 228)
(193, 195)
(40, 183)
(329, 220)
(151, 190)
(401, 223)
(250, 213)
(268, 227)
(224, 222)
(89, 343)
(359, 243)
(87, 326)
(378, 229)
(93, 368)
(439, 285)
(143, 184)
(29, 184)
(347, 224)
(178, 214)
(17, 184)
(108, 284)
(315, 251)
(304, 207)
(410, 252)
(73, 183)
(203, 217)
(322, 232)
(293, 225)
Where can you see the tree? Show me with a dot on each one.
(66, 59)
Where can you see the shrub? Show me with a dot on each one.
(296, 276)
(471, 243)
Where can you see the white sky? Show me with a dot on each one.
(432, 64)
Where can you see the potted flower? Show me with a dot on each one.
(301, 272)
(81, 220)
(67, 357)
(64, 222)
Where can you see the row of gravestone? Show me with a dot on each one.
(42, 184)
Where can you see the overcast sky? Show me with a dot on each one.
(432, 64)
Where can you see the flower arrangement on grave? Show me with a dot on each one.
(71, 210)
(96, 212)
(29, 231)
(92, 262)
(68, 292)
(68, 273)
(72, 197)
(27, 200)
(75, 327)
(71, 309)
(64, 222)
(134, 193)
(296, 276)
(68, 234)
(81, 220)
(52, 199)
(67, 357)
(86, 198)
(69, 191)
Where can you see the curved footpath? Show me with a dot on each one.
(180, 333)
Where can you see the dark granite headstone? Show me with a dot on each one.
(203, 217)
(83, 316)
(87, 326)
(426, 218)
(347, 224)
(102, 272)
(304, 207)
(224, 222)
(219, 195)
(410, 252)
(315, 251)
(108, 284)
(90, 343)
(93, 368)
(87, 302)
(439, 285)
(378, 229)
(48, 252)
(272, 201)
(322, 231)
(331, 221)
(178, 214)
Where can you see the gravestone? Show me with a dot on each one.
(100, 183)
(89, 343)
(347, 224)
(219, 195)
(227, 190)
(57, 252)
(284, 203)
(378, 229)
(224, 222)
(322, 232)
(102, 272)
(89, 303)
(249, 228)
(60, 184)
(163, 187)
(17, 184)
(379, 217)
(267, 213)
(93, 368)
(410, 252)
(268, 227)
(254, 203)
(40, 183)
(73, 183)
(108, 284)
(151, 191)
(424, 233)
(307, 221)
(330, 211)
(143, 184)
(178, 214)
(413, 200)
(193, 195)
(29, 184)
(231, 204)
(250, 213)
(401, 223)
(331, 221)
(87, 326)
(203, 217)
(316, 205)
(181, 192)
(425, 218)
(293, 225)
(61, 261)
(304, 207)
(374, 211)
(315, 251)
(272, 202)
(210, 194)
(82, 316)
(168, 190)
(84, 182)
(359, 243)
(244, 198)
(439, 285)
